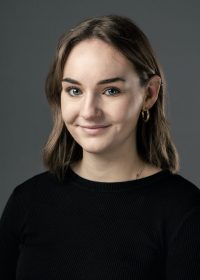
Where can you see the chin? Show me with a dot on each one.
(95, 149)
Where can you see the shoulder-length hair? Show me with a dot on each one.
(154, 143)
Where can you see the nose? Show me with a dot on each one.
(90, 107)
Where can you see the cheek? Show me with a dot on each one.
(67, 113)
(127, 111)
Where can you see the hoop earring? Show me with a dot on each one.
(145, 118)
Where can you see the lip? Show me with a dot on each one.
(94, 126)
(94, 129)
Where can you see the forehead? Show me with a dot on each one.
(97, 56)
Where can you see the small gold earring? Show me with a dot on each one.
(145, 115)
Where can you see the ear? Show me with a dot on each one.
(151, 92)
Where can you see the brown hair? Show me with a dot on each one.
(154, 142)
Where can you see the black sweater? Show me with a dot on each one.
(80, 229)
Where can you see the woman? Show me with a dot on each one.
(111, 204)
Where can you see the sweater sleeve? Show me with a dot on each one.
(9, 237)
(183, 258)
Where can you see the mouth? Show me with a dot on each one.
(94, 129)
(94, 126)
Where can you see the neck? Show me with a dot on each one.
(110, 167)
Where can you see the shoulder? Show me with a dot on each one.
(175, 200)
(172, 194)
(179, 185)
(23, 196)
(171, 183)
(36, 182)
(177, 196)
(180, 208)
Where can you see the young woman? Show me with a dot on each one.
(111, 204)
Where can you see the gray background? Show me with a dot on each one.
(29, 33)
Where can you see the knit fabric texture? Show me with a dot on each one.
(86, 230)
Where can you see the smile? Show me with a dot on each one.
(94, 130)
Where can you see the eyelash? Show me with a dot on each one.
(70, 88)
(117, 91)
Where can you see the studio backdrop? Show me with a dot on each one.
(29, 34)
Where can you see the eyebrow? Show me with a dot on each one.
(107, 81)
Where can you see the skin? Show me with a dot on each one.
(102, 116)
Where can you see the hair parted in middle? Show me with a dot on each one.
(154, 143)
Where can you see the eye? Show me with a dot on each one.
(111, 91)
(73, 91)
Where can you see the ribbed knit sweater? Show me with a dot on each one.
(81, 229)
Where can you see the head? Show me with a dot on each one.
(154, 144)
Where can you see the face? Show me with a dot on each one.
(101, 98)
